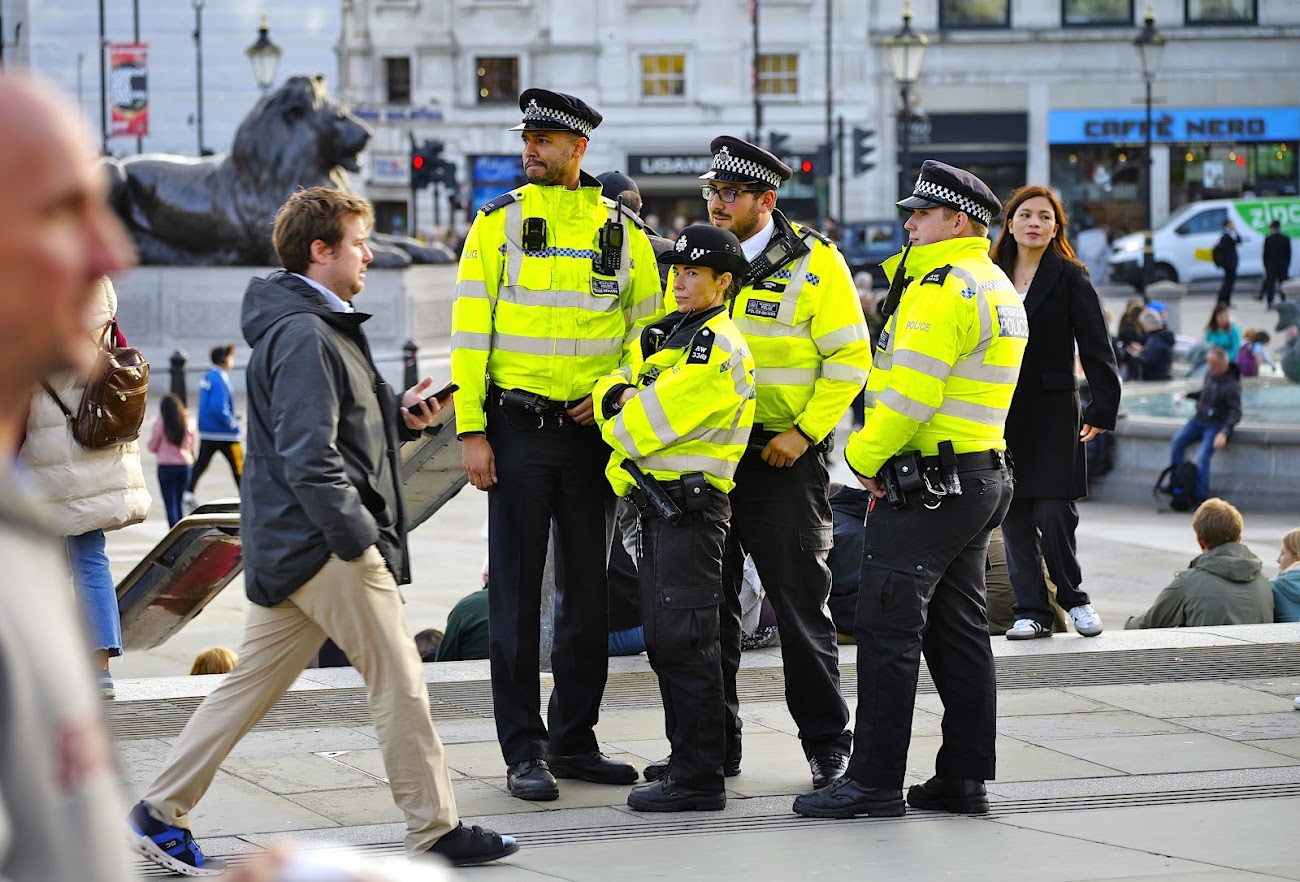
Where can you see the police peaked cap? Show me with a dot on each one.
(707, 245)
(547, 111)
(944, 185)
(740, 162)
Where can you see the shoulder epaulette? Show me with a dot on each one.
(500, 202)
(701, 346)
(937, 276)
(816, 234)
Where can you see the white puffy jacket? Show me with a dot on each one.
(85, 489)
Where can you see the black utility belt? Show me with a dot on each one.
(931, 478)
(690, 492)
(527, 411)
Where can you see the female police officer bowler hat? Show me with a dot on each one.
(705, 245)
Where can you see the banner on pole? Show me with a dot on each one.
(128, 88)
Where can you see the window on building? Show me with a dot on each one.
(397, 80)
(497, 80)
(974, 14)
(778, 74)
(663, 76)
(1222, 11)
(1085, 13)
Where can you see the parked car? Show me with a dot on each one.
(1184, 243)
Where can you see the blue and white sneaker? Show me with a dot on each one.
(172, 848)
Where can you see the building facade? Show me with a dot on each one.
(1016, 90)
(58, 38)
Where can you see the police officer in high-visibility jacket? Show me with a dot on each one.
(554, 284)
(800, 313)
(932, 454)
(681, 414)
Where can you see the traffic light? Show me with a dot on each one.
(806, 170)
(862, 150)
(776, 142)
(824, 164)
(427, 164)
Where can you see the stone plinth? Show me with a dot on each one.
(163, 308)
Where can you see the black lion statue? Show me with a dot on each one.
(219, 210)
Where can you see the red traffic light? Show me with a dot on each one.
(417, 162)
(806, 166)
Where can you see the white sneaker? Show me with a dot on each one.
(1027, 629)
(1086, 621)
(1297, 702)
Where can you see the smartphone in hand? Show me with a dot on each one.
(441, 397)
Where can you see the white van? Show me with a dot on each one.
(1183, 244)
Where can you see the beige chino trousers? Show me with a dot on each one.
(358, 605)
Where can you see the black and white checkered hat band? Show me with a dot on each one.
(938, 193)
(536, 113)
(725, 162)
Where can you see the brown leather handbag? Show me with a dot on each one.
(113, 403)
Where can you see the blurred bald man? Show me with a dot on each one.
(60, 809)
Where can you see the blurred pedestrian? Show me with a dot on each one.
(172, 443)
(324, 541)
(58, 238)
(1045, 429)
(1093, 250)
(1154, 356)
(1218, 410)
(218, 423)
(1221, 330)
(90, 492)
(1253, 353)
(1277, 263)
(217, 660)
(1226, 259)
(1286, 587)
(1128, 340)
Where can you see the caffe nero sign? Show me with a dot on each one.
(1180, 126)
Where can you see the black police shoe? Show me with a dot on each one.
(655, 771)
(960, 796)
(592, 766)
(666, 795)
(846, 798)
(827, 767)
(532, 780)
(467, 846)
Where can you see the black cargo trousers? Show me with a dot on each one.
(782, 516)
(922, 590)
(679, 569)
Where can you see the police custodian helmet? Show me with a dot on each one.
(947, 186)
(547, 111)
(707, 245)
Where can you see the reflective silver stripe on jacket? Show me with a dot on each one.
(470, 340)
(908, 407)
(975, 413)
(556, 345)
(690, 462)
(584, 300)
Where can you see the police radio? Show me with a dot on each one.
(776, 255)
(610, 258)
(534, 234)
(897, 285)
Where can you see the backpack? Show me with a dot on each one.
(1178, 482)
(1220, 253)
(112, 406)
(1246, 360)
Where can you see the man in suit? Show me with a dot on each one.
(1225, 257)
(1277, 262)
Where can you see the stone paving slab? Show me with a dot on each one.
(1243, 727)
(1189, 752)
(1057, 727)
(1169, 700)
(1284, 746)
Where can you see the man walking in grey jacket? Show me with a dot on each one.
(324, 540)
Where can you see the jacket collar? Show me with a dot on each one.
(1049, 271)
(678, 329)
(923, 258)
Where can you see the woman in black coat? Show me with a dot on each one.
(1045, 431)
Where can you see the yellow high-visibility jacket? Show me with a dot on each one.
(805, 328)
(948, 358)
(694, 405)
(545, 321)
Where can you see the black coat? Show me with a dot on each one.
(1277, 255)
(321, 476)
(1043, 424)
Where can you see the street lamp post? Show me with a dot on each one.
(198, 67)
(264, 56)
(1150, 46)
(906, 52)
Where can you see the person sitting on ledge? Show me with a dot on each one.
(1225, 585)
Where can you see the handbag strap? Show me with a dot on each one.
(57, 400)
